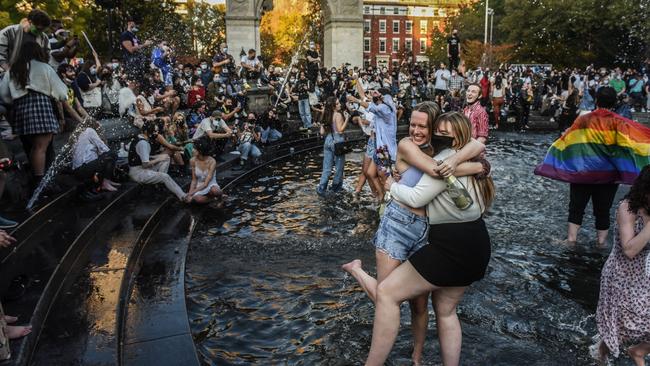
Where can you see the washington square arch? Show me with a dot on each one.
(343, 31)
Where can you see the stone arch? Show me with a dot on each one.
(343, 25)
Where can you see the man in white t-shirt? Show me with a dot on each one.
(214, 126)
(252, 66)
(442, 79)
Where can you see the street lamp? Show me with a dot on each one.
(487, 8)
(491, 14)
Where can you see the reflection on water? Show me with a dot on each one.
(264, 284)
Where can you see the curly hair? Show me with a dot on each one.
(638, 196)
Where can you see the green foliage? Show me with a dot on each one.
(565, 33)
(437, 52)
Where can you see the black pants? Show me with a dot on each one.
(103, 167)
(454, 60)
(602, 197)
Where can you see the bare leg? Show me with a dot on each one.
(374, 180)
(201, 199)
(361, 181)
(638, 353)
(37, 154)
(602, 237)
(445, 301)
(403, 283)
(572, 233)
(385, 265)
(419, 323)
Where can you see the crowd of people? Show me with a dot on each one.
(434, 185)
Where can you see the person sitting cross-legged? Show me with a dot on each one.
(146, 169)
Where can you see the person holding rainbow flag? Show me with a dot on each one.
(597, 153)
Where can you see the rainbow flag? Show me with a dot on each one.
(600, 147)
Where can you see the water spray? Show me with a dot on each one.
(294, 60)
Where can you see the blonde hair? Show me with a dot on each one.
(462, 129)
(460, 125)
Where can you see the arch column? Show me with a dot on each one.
(243, 25)
(343, 33)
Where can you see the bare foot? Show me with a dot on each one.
(13, 332)
(349, 267)
(10, 319)
(107, 187)
(114, 184)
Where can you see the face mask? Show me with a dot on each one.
(33, 30)
(204, 67)
(376, 99)
(115, 65)
(292, 81)
(188, 73)
(215, 79)
(134, 29)
(441, 142)
(225, 50)
(312, 47)
(93, 70)
(333, 78)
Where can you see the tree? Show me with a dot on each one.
(282, 29)
(207, 25)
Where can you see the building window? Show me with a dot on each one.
(423, 45)
(366, 26)
(366, 10)
(395, 26)
(408, 45)
(382, 45)
(382, 26)
(423, 27)
(436, 24)
(396, 11)
(366, 63)
(409, 27)
(366, 45)
(382, 10)
(395, 44)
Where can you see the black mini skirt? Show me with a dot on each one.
(457, 255)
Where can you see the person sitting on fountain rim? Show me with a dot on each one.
(146, 169)
(93, 162)
(248, 137)
(216, 129)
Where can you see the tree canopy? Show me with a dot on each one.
(565, 33)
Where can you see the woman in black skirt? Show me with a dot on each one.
(457, 255)
(31, 85)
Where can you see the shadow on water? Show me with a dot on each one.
(264, 284)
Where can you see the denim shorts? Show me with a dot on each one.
(401, 232)
(370, 147)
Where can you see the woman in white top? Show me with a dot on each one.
(457, 255)
(30, 85)
(498, 92)
(204, 186)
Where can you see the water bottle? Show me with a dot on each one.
(458, 193)
(122, 153)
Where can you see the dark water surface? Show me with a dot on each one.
(264, 283)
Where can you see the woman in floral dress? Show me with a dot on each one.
(623, 314)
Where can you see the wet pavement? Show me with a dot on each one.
(264, 286)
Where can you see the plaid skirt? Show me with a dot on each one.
(33, 114)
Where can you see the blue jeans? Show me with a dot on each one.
(271, 135)
(247, 149)
(305, 112)
(329, 160)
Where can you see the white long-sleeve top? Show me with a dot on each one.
(432, 192)
(88, 148)
(42, 79)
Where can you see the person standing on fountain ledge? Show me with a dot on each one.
(30, 85)
(334, 123)
(146, 169)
